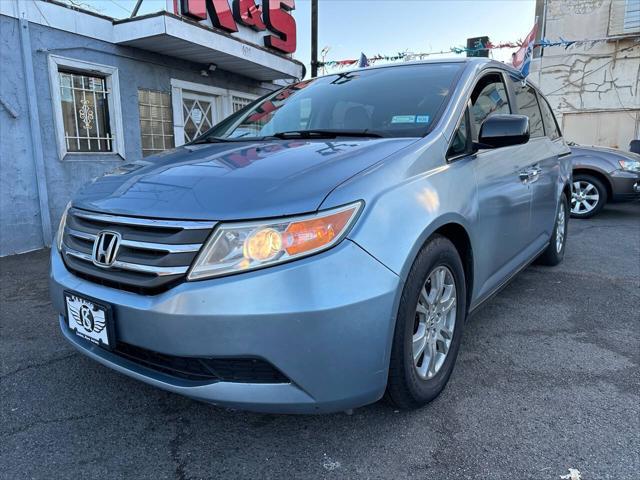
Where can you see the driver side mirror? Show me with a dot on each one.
(502, 130)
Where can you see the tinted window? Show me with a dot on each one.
(402, 101)
(460, 142)
(488, 98)
(550, 125)
(527, 103)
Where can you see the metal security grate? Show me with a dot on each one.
(239, 103)
(153, 254)
(85, 113)
(198, 115)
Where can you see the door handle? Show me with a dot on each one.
(534, 173)
(530, 175)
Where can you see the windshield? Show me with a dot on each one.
(401, 101)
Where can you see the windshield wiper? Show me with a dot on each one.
(318, 133)
(211, 139)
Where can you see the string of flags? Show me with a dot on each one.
(409, 56)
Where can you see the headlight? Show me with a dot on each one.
(63, 223)
(239, 247)
(630, 165)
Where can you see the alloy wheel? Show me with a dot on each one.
(560, 228)
(435, 321)
(584, 197)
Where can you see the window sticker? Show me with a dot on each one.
(422, 118)
(403, 119)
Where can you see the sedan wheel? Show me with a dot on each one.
(588, 195)
(584, 197)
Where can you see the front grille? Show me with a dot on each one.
(153, 255)
(203, 369)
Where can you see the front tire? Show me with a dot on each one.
(588, 196)
(554, 254)
(429, 326)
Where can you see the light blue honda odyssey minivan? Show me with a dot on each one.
(324, 245)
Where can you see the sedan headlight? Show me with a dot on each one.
(239, 247)
(630, 165)
(63, 223)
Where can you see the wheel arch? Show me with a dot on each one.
(454, 229)
(460, 238)
(597, 174)
(567, 192)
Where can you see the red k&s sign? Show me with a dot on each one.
(273, 16)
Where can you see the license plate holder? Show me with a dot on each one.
(90, 319)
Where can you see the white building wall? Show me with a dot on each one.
(593, 88)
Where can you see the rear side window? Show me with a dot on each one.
(527, 103)
(550, 125)
(488, 98)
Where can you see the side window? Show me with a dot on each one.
(460, 144)
(527, 103)
(489, 97)
(550, 124)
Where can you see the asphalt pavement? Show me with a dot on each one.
(547, 380)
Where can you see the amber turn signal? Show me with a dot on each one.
(309, 235)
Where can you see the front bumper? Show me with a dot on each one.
(325, 322)
(625, 185)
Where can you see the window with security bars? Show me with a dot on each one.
(156, 121)
(85, 112)
(239, 103)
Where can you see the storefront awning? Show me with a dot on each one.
(171, 35)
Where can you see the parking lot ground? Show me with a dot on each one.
(547, 379)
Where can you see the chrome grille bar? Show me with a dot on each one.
(143, 222)
(160, 247)
(132, 267)
(159, 252)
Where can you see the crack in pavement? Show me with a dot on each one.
(38, 365)
(28, 426)
(174, 445)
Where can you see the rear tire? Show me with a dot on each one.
(588, 196)
(434, 303)
(554, 254)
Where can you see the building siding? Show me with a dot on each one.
(594, 80)
(20, 223)
(20, 214)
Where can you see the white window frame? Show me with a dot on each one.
(223, 103)
(629, 26)
(113, 101)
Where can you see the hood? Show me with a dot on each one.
(578, 150)
(234, 181)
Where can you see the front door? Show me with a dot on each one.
(199, 114)
(504, 199)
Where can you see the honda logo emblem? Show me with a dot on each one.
(105, 248)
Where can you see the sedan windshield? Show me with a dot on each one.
(402, 101)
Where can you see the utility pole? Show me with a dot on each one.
(314, 38)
